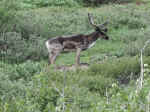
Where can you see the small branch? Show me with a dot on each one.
(142, 71)
(145, 45)
(62, 93)
(140, 83)
(107, 96)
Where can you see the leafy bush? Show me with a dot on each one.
(70, 3)
(134, 47)
(124, 18)
(55, 21)
(98, 84)
(83, 90)
(18, 49)
(7, 14)
(44, 3)
(40, 89)
(34, 87)
(97, 2)
(120, 69)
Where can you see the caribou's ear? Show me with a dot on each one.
(103, 25)
(106, 23)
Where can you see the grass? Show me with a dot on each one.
(56, 21)
(110, 82)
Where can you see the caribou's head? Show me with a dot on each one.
(101, 29)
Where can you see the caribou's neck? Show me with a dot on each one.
(91, 39)
(93, 36)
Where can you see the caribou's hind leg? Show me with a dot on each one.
(53, 50)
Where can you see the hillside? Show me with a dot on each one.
(111, 82)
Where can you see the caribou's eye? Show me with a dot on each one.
(105, 30)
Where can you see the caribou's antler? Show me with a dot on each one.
(91, 20)
(101, 26)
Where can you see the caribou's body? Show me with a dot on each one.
(76, 43)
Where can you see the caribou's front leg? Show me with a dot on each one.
(53, 55)
(53, 59)
(78, 57)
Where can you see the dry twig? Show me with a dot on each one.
(140, 80)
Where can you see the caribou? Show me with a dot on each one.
(76, 43)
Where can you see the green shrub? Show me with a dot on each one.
(98, 84)
(44, 3)
(70, 3)
(84, 90)
(120, 69)
(9, 89)
(135, 23)
(23, 71)
(51, 23)
(18, 49)
(124, 18)
(97, 2)
(7, 14)
(134, 47)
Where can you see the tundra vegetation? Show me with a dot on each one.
(110, 84)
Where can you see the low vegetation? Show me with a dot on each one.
(110, 83)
